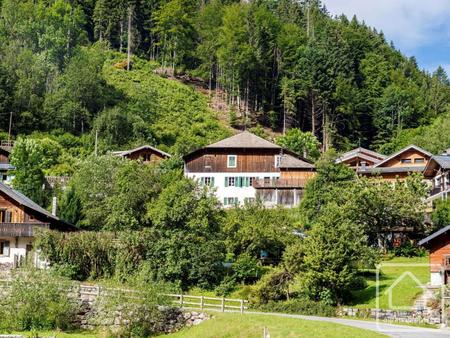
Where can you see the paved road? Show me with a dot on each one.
(391, 330)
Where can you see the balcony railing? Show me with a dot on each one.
(7, 144)
(279, 183)
(9, 229)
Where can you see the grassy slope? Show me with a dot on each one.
(179, 115)
(403, 294)
(59, 334)
(248, 326)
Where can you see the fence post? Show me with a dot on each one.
(223, 304)
(201, 302)
(242, 306)
(181, 300)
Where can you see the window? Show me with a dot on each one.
(230, 181)
(249, 200)
(5, 216)
(406, 160)
(230, 201)
(4, 248)
(419, 160)
(232, 161)
(147, 157)
(277, 161)
(252, 180)
(207, 181)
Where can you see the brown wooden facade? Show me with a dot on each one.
(438, 245)
(248, 160)
(146, 154)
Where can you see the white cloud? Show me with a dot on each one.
(409, 23)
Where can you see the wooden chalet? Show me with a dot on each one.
(20, 217)
(411, 159)
(360, 158)
(438, 245)
(5, 167)
(438, 171)
(245, 167)
(145, 153)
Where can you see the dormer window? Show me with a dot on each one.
(419, 160)
(406, 160)
(232, 161)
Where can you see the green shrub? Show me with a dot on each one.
(408, 249)
(302, 306)
(227, 286)
(273, 286)
(37, 301)
(246, 268)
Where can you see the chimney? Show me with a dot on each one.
(54, 205)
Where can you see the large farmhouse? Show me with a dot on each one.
(20, 217)
(246, 167)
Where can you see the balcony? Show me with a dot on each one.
(7, 144)
(440, 192)
(8, 229)
(281, 183)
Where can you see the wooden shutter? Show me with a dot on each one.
(212, 181)
(6, 248)
(226, 181)
(8, 216)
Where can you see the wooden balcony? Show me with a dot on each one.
(281, 183)
(7, 144)
(20, 229)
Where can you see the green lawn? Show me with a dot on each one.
(404, 292)
(248, 326)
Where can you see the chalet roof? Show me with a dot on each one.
(380, 170)
(442, 160)
(362, 153)
(289, 161)
(124, 153)
(244, 139)
(407, 148)
(434, 235)
(23, 200)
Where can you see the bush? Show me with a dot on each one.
(273, 286)
(37, 301)
(408, 249)
(246, 268)
(227, 286)
(302, 306)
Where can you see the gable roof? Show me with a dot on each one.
(23, 200)
(436, 162)
(291, 162)
(124, 153)
(434, 235)
(363, 153)
(244, 139)
(407, 148)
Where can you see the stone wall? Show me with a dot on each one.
(96, 313)
(428, 316)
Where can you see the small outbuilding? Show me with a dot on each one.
(438, 245)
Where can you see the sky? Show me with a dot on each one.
(419, 28)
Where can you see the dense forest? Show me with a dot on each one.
(279, 64)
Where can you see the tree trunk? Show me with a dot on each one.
(121, 36)
(130, 12)
(313, 114)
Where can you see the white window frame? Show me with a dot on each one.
(231, 179)
(2, 253)
(235, 161)
(277, 161)
(207, 180)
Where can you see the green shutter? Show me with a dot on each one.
(212, 181)
(247, 182)
(224, 201)
(226, 181)
(202, 181)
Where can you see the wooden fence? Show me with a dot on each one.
(211, 303)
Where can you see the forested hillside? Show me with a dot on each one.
(280, 64)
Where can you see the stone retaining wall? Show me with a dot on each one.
(419, 317)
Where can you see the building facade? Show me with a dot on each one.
(146, 154)
(235, 168)
(20, 217)
(438, 172)
(360, 158)
(5, 167)
(438, 245)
